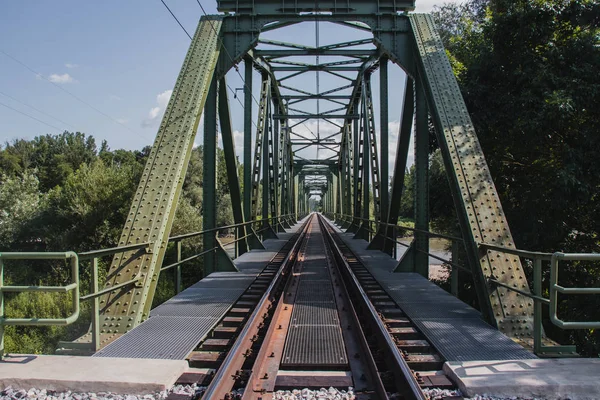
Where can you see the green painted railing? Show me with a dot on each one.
(95, 292)
(73, 287)
(536, 294)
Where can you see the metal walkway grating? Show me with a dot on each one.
(314, 345)
(315, 335)
(176, 327)
(160, 338)
(455, 329)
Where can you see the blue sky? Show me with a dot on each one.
(118, 61)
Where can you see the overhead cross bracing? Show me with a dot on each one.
(325, 139)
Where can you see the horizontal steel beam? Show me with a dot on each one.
(317, 96)
(315, 52)
(314, 142)
(315, 68)
(309, 6)
(316, 116)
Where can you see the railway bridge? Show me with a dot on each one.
(321, 292)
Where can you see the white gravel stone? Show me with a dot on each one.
(42, 394)
(321, 394)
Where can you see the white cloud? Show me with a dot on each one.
(122, 120)
(155, 113)
(64, 78)
(163, 98)
(114, 97)
(71, 66)
(394, 130)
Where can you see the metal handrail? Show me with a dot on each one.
(554, 289)
(536, 295)
(395, 240)
(94, 255)
(386, 224)
(72, 287)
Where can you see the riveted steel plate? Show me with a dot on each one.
(155, 201)
(316, 345)
(479, 208)
(170, 338)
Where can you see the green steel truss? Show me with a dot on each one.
(280, 179)
(155, 201)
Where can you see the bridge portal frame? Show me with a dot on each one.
(408, 40)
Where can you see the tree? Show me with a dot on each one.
(20, 202)
(528, 71)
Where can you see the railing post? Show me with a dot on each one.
(454, 272)
(1, 309)
(95, 307)
(537, 306)
(178, 269)
(394, 244)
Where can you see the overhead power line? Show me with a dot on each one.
(30, 116)
(70, 93)
(37, 109)
(186, 32)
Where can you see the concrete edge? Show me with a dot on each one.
(90, 375)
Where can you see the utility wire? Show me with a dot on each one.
(229, 87)
(30, 116)
(238, 71)
(70, 94)
(36, 109)
(186, 32)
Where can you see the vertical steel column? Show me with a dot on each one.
(267, 230)
(274, 161)
(454, 277)
(342, 177)
(349, 179)
(363, 230)
(379, 240)
(421, 182)
(384, 138)
(357, 138)
(400, 164)
(231, 165)
(209, 198)
(248, 137)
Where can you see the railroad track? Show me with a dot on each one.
(317, 318)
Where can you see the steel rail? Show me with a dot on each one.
(223, 380)
(412, 390)
(372, 369)
(256, 380)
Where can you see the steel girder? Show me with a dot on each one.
(411, 41)
(153, 208)
(478, 204)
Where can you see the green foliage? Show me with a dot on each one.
(40, 340)
(59, 193)
(528, 71)
(20, 201)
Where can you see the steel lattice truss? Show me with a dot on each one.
(347, 166)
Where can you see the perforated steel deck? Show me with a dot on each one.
(176, 327)
(454, 328)
(315, 336)
(160, 338)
